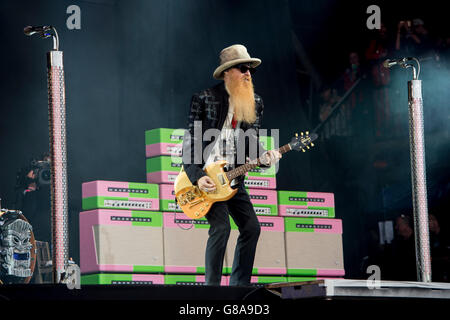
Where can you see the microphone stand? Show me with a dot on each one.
(418, 175)
(58, 156)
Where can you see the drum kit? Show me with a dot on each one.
(17, 248)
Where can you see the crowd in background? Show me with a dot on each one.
(397, 258)
(372, 100)
(365, 102)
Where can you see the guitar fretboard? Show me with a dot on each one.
(241, 170)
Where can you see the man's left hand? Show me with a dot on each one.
(270, 157)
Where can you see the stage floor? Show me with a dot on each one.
(272, 301)
(348, 288)
(326, 289)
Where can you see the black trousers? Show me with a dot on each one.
(241, 210)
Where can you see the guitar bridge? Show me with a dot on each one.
(190, 195)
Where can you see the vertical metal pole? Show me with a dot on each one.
(57, 132)
(418, 176)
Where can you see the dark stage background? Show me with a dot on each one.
(134, 65)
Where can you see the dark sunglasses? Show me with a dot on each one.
(244, 68)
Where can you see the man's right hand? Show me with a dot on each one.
(206, 184)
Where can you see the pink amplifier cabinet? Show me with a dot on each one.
(163, 142)
(101, 194)
(260, 182)
(264, 201)
(184, 243)
(303, 279)
(314, 247)
(306, 204)
(270, 258)
(190, 280)
(163, 169)
(121, 241)
(260, 281)
(122, 279)
(167, 198)
(163, 149)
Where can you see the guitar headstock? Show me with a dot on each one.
(303, 141)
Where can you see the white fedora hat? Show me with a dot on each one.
(231, 56)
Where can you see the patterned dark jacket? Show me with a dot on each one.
(209, 109)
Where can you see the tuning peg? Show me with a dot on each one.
(303, 150)
(296, 135)
(312, 144)
(301, 133)
(307, 133)
(307, 147)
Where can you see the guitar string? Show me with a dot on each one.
(248, 166)
(230, 175)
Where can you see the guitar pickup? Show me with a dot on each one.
(221, 179)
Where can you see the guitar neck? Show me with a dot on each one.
(243, 169)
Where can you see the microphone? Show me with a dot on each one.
(389, 63)
(29, 30)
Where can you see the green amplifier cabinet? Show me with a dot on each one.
(101, 194)
(260, 281)
(163, 169)
(121, 241)
(270, 255)
(306, 204)
(314, 247)
(190, 280)
(122, 279)
(163, 142)
(264, 201)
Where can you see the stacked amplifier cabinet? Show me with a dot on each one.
(314, 247)
(163, 152)
(313, 237)
(120, 232)
(167, 198)
(260, 281)
(262, 178)
(270, 257)
(190, 280)
(306, 204)
(135, 233)
(120, 195)
(163, 169)
(184, 238)
(121, 241)
(184, 243)
(123, 279)
(163, 142)
(261, 184)
(184, 249)
(310, 278)
(264, 201)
